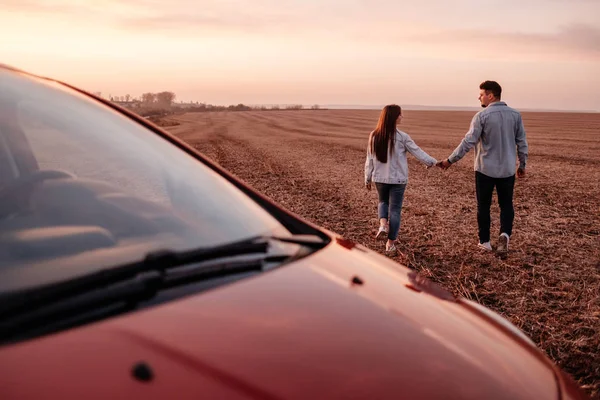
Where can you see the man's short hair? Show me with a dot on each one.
(493, 87)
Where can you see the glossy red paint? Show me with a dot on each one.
(302, 331)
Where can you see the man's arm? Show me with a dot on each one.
(469, 141)
(522, 147)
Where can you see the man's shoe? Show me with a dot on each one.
(485, 246)
(503, 243)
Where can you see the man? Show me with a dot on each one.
(498, 135)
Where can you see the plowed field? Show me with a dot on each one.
(311, 162)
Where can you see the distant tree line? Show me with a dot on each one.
(163, 103)
(200, 107)
(161, 99)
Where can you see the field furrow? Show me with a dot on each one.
(311, 162)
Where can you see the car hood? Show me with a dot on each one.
(342, 323)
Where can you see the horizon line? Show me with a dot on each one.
(417, 107)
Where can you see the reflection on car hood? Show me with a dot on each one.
(342, 323)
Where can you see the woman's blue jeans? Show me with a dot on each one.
(390, 205)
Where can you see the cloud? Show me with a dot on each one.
(186, 16)
(576, 40)
(41, 7)
(248, 16)
(581, 36)
(105, 9)
(202, 21)
(357, 24)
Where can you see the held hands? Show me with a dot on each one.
(445, 164)
(368, 185)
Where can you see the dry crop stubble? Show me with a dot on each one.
(311, 162)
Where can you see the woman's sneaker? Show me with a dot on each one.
(382, 233)
(391, 251)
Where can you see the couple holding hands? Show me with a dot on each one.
(498, 135)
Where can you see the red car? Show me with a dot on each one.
(133, 267)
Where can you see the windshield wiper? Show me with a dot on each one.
(161, 262)
(312, 241)
(153, 261)
(122, 288)
(124, 293)
(113, 299)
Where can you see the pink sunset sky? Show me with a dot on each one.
(545, 53)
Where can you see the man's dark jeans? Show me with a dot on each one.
(484, 186)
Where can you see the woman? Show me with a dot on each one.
(386, 165)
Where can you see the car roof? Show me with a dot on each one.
(6, 66)
(14, 69)
(10, 68)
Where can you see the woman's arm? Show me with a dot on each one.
(369, 162)
(416, 151)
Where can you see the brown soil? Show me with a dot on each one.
(163, 122)
(311, 162)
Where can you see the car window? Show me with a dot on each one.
(79, 178)
(90, 156)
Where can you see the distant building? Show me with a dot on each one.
(185, 105)
(129, 104)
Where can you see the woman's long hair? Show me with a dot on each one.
(384, 134)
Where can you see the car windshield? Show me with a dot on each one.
(83, 187)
